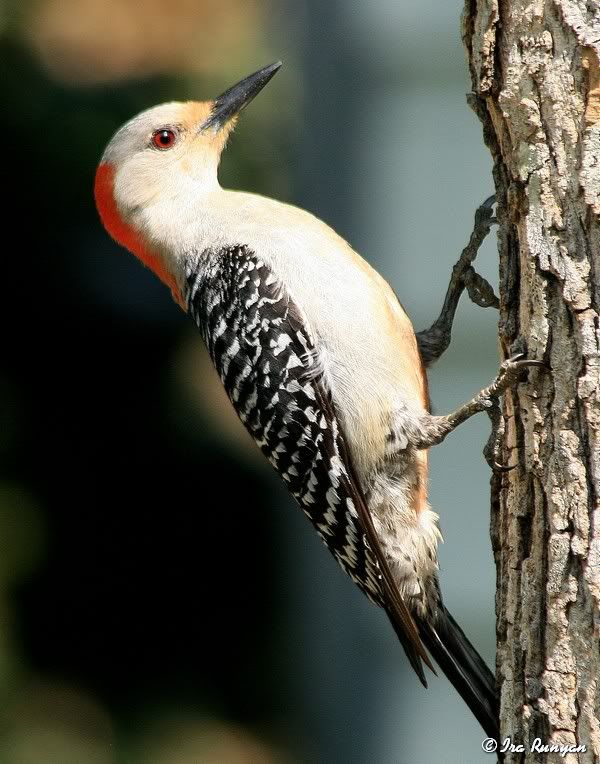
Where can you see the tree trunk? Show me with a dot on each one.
(536, 87)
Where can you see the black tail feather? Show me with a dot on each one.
(464, 667)
(409, 648)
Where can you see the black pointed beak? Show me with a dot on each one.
(233, 100)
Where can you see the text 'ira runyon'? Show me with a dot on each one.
(490, 745)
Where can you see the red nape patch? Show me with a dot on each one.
(123, 233)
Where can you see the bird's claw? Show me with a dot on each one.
(492, 447)
(502, 467)
(510, 370)
(509, 374)
(479, 289)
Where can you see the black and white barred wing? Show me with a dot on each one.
(264, 352)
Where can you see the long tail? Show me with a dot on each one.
(463, 666)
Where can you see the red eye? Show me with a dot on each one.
(164, 138)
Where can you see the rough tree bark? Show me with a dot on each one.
(536, 88)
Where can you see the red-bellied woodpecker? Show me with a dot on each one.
(317, 356)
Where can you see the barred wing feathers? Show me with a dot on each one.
(265, 354)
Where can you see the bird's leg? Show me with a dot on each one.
(434, 341)
(435, 428)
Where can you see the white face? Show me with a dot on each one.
(162, 152)
(157, 171)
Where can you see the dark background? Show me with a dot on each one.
(161, 598)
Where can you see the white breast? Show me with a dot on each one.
(367, 343)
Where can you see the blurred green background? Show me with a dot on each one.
(162, 600)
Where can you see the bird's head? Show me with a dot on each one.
(169, 152)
